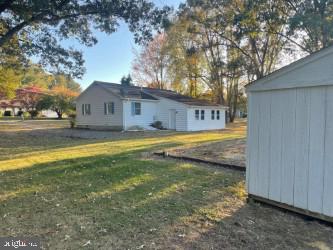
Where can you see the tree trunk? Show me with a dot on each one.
(59, 114)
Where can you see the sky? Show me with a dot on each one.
(111, 58)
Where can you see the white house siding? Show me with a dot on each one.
(163, 113)
(147, 117)
(207, 123)
(49, 114)
(96, 97)
(290, 145)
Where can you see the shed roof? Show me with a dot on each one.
(136, 92)
(313, 70)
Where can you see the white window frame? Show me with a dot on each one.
(108, 108)
(136, 108)
(197, 114)
(86, 109)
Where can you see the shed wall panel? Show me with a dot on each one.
(328, 166)
(316, 153)
(302, 149)
(262, 172)
(253, 143)
(288, 100)
(276, 146)
(290, 145)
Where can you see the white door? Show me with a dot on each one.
(172, 119)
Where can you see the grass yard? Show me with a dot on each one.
(110, 193)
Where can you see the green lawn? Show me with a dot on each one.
(111, 194)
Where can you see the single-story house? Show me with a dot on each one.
(113, 106)
(290, 136)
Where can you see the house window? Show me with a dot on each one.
(197, 114)
(202, 114)
(108, 108)
(86, 109)
(213, 114)
(136, 108)
(217, 114)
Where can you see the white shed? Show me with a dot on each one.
(290, 136)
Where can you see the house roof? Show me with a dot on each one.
(312, 70)
(136, 92)
(10, 103)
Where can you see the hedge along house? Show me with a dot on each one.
(113, 106)
(290, 136)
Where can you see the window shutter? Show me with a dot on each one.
(105, 109)
(82, 109)
(112, 108)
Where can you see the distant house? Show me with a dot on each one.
(26, 100)
(113, 106)
(9, 105)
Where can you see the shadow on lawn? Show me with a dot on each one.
(122, 201)
(106, 198)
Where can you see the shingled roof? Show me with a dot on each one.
(152, 94)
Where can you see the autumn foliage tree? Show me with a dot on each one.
(60, 100)
(151, 64)
(29, 98)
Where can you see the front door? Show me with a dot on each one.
(172, 119)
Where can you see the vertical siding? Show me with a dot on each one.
(276, 147)
(253, 143)
(328, 161)
(316, 153)
(302, 150)
(290, 145)
(249, 133)
(96, 97)
(264, 146)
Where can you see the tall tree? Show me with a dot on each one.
(310, 24)
(126, 80)
(10, 80)
(29, 98)
(150, 65)
(186, 63)
(39, 25)
(60, 99)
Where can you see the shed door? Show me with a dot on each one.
(172, 119)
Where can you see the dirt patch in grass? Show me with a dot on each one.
(229, 151)
(103, 194)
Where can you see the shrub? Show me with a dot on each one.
(157, 124)
(72, 119)
(26, 114)
(7, 113)
(19, 113)
(33, 113)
